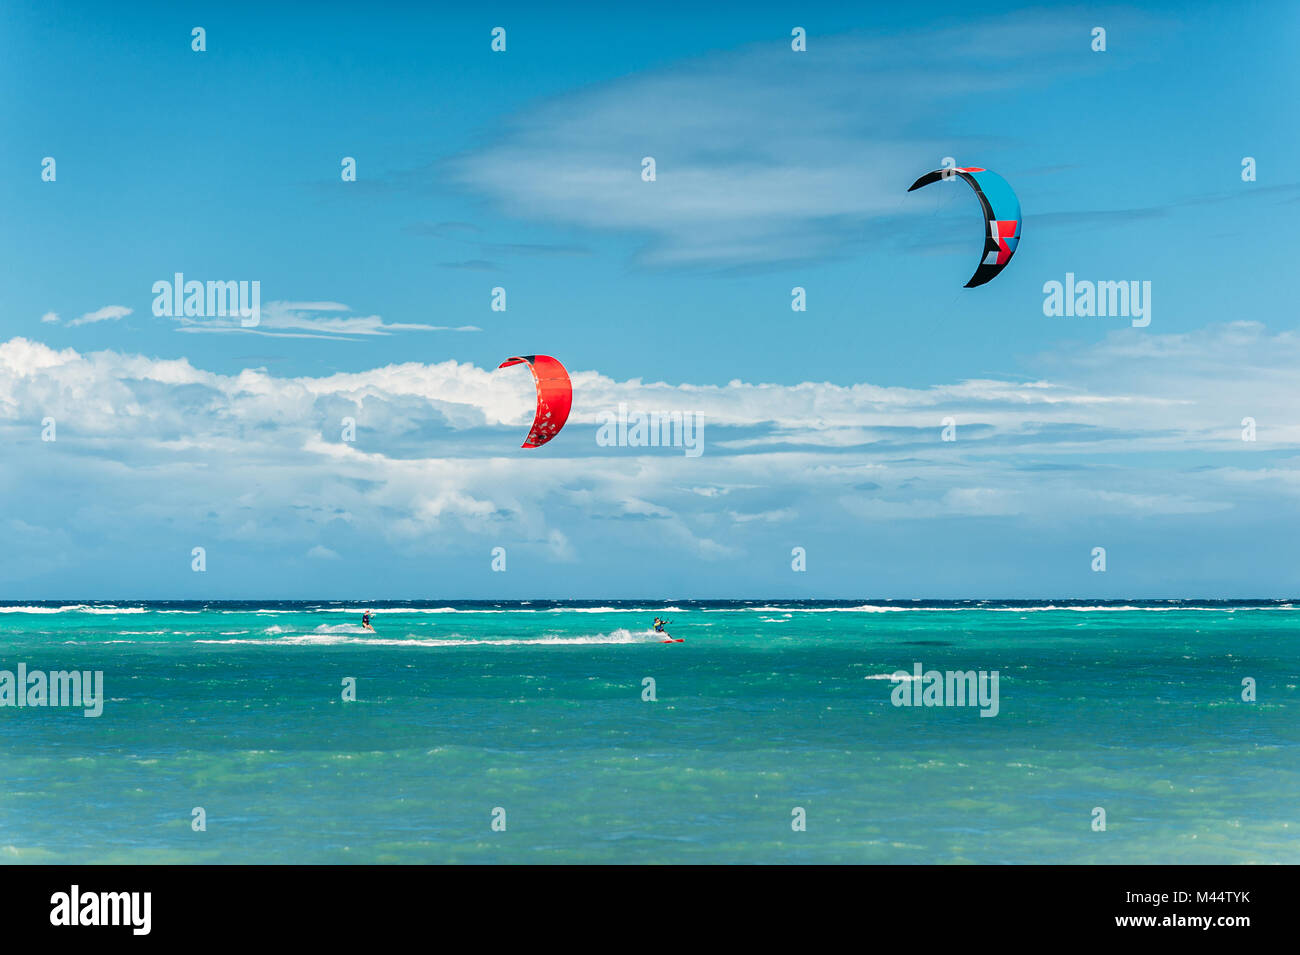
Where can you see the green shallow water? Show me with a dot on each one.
(538, 710)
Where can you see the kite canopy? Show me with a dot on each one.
(554, 397)
(1001, 212)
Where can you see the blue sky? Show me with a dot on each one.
(521, 169)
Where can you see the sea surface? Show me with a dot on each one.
(532, 713)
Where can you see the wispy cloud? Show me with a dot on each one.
(466, 235)
(109, 313)
(820, 147)
(311, 320)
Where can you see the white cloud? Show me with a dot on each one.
(435, 464)
(310, 320)
(1232, 371)
(109, 313)
(820, 147)
(772, 517)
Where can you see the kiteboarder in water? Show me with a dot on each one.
(365, 620)
(660, 624)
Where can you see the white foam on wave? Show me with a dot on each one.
(869, 608)
(521, 609)
(73, 608)
(615, 610)
(358, 611)
(276, 630)
(110, 610)
(865, 608)
(335, 636)
(1124, 607)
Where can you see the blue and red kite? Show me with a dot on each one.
(1001, 213)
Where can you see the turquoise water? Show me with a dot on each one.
(537, 708)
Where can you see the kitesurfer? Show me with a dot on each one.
(365, 620)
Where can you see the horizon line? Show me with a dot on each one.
(9, 600)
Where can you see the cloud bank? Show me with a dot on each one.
(1118, 432)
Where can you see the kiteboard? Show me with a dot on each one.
(674, 640)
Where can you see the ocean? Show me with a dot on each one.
(523, 732)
